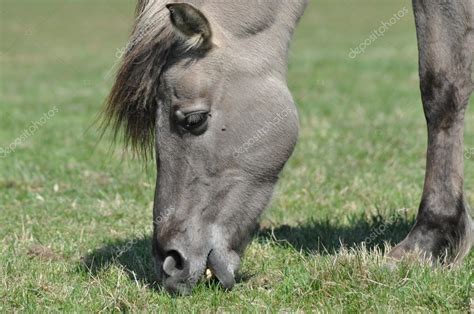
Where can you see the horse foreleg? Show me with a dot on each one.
(445, 30)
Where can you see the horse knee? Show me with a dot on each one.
(445, 98)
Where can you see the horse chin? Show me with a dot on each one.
(181, 286)
(224, 264)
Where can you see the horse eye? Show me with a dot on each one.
(194, 122)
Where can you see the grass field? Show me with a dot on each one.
(75, 216)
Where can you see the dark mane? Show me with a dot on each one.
(131, 107)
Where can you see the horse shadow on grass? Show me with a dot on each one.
(327, 237)
(132, 255)
(324, 237)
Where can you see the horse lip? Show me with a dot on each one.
(223, 265)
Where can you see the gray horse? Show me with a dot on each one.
(203, 84)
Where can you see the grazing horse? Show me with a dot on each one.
(203, 84)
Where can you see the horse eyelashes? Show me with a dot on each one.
(196, 118)
(194, 122)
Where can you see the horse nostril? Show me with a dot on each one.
(174, 263)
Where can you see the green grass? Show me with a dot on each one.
(357, 172)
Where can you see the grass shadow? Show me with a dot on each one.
(132, 255)
(327, 237)
(316, 237)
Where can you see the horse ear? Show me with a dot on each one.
(191, 24)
